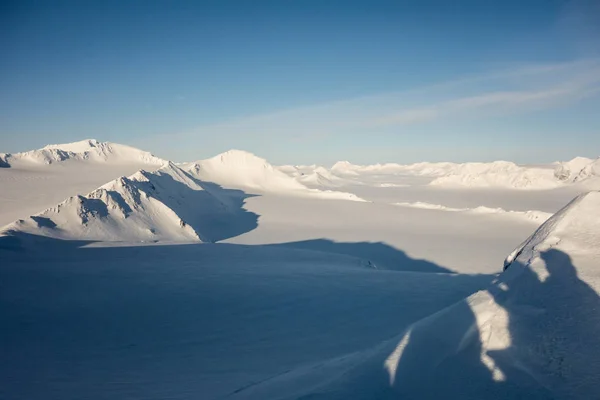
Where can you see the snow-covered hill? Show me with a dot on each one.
(243, 170)
(88, 150)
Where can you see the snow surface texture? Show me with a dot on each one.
(198, 321)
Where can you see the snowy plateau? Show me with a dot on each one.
(126, 276)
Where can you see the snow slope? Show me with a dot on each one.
(197, 321)
(533, 334)
(168, 204)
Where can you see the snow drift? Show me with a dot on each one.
(531, 215)
(88, 150)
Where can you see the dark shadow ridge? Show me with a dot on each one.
(215, 213)
(4, 163)
(371, 255)
(381, 255)
(554, 325)
(376, 255)
(43, 222)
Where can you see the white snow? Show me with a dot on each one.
(111, 287)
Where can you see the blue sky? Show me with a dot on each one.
(306, 81)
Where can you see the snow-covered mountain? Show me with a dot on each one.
(578, 169)
(243, 170)
(498, 174)
(345, 168)
(173, 203)
(85, 150)
(237, 168)
(168, 204)
(35, 180)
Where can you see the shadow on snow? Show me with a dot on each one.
(553, 327)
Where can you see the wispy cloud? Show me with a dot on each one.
(502, 102)
(505, 92)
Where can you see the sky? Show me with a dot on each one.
(306, 81)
